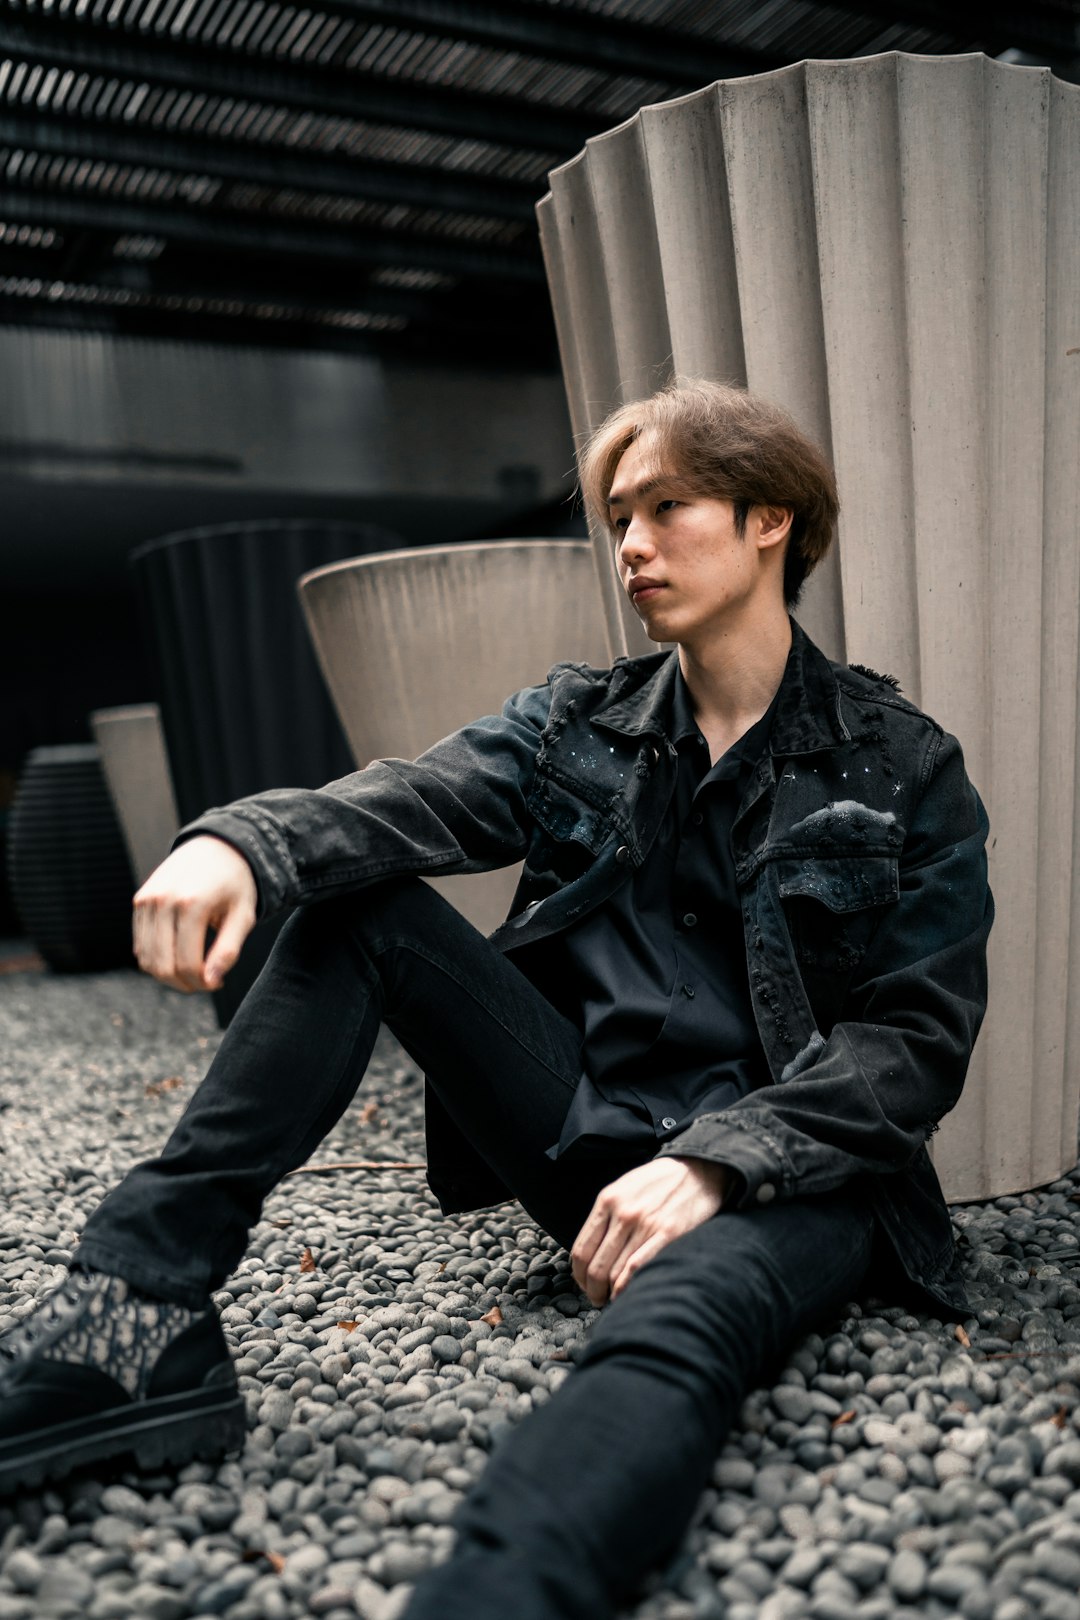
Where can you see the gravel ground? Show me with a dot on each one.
(898, 1466)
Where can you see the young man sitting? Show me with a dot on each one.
(739, 986)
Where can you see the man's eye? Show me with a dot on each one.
(619, 524)
(665, 506)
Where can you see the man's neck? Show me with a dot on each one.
(732, 676)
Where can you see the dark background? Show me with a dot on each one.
(181, 184)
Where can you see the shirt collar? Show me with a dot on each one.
(681, 723)
(807, 706)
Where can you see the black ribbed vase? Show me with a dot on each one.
(68, 866)
(243, 703)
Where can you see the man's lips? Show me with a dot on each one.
(642, 589)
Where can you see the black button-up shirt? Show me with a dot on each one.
(668, 1026)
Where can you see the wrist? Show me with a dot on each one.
(716, 1177)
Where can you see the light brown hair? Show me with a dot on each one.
(721, 441)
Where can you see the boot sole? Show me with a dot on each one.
(166, 1432)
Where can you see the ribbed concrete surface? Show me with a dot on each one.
(889, 247)
(136, 766)
(415, 644)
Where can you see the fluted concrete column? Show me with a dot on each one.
(414, 644)
(889, 247)
(136, 765)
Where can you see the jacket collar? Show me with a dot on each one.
(808, 718)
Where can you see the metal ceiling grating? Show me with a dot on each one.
(139, 104)
(365, 171)
(31, 237)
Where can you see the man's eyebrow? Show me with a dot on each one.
(644, 488)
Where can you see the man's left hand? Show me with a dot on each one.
(637, 1215)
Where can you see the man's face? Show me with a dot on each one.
(682, 563)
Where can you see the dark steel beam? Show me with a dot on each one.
(207, 278)
(116, 53)
(1036, 27)
(562, 33)
(479, 346)
(245, 164)
(232, 232)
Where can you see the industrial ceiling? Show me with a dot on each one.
(362, 174)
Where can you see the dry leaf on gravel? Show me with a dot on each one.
(369, 1112)
(349, 1327)
(158, 1088)
(493, 1317)
(845, 1417)
(307, 1261)
(960, 1333)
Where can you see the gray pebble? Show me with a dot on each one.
(446, 1348)
(906, 1574)
(400, 1562)
(23, 1570)
(797, 1405)
(64, 1589)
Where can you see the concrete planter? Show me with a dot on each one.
(243, 705)
(70, 876)
(889, 247)
(136, 766)
(414, 644)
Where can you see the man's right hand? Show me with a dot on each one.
(204, 884)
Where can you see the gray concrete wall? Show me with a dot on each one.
(87, 420)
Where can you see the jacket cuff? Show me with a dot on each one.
(758, 1162)
(261, 841)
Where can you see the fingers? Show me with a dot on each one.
(171, 941)
(632, 1260)
(226, 947)
(637, 1216)
(600, 1245)
(203, 884)
(587, 1242)
(191, 921)
(619, 1240)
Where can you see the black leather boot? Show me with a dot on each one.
(99, 1371)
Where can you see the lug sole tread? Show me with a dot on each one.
(151, 1441)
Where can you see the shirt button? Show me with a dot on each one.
(688, 991)
(697, 818)
(689, 921)
(765, 1193)
(622, 854)
(668, 1123)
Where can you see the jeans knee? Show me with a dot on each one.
(396, 907)
(706, 1328)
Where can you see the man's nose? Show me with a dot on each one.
(636, 542)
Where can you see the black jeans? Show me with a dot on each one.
(597, 1486)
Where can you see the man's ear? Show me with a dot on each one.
(772, 525)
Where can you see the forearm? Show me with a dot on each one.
(306, 844)
(459, 808)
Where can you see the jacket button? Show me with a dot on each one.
(765, 1193)
(667, 1123)
(622, 854)
(690, 920)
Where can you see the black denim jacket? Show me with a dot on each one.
(860, 858)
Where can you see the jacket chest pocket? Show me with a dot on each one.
(568, 832)
(833, 904)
